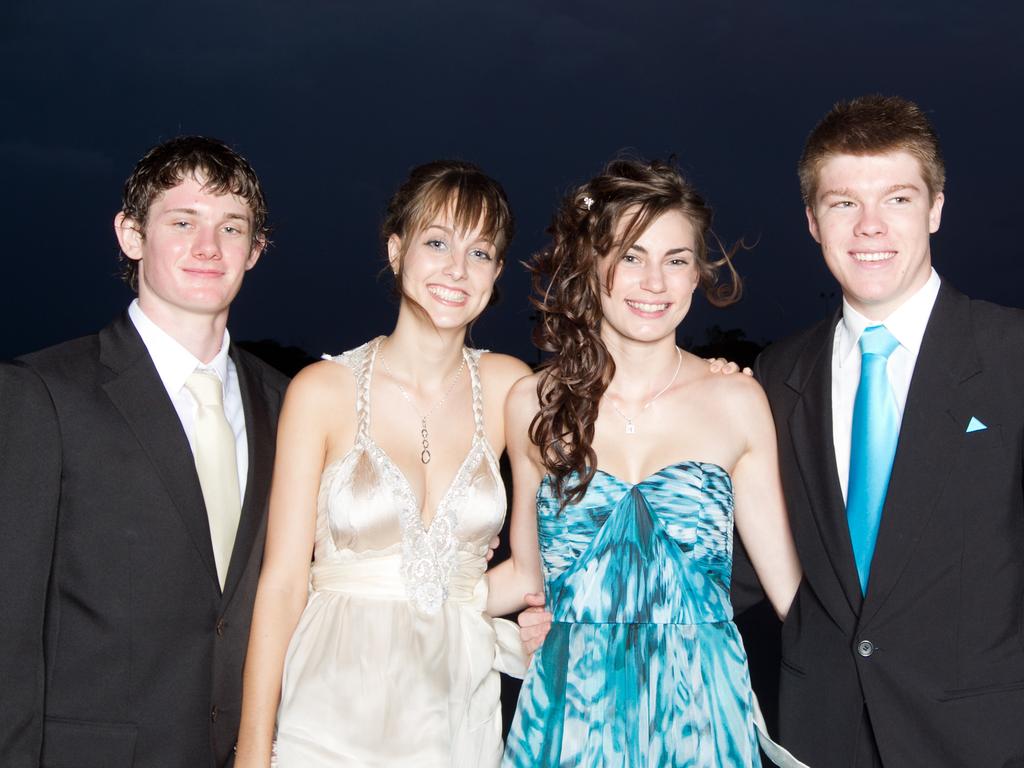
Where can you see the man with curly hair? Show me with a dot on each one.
(134, 469)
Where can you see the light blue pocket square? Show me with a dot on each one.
(975, 425)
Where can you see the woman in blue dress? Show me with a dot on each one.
(631, 462)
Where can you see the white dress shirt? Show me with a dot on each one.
(175, 364)
(907, 324)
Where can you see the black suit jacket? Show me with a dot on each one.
(935, 649)
(118, 647)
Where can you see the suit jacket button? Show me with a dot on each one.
(865, 648)
(213, 715)
(220, 627)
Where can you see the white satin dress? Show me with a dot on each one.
(394, 662)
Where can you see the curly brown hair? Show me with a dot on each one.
(567, 289)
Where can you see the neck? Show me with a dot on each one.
(422, 354)
(202, 335)
(641, 368)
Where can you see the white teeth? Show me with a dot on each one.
(446, 294)
(643, 307)
(874, 256)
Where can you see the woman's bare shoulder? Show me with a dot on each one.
(499, 368)
(326, 383)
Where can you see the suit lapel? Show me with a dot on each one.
(259, 435)
(137, 392)
(928, 432)
(810, 426)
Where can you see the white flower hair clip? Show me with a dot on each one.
(588, 202)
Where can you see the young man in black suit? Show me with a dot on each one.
(134, 470)
(900, 422)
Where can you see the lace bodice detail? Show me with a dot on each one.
(367, 508)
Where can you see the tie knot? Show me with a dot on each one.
(876, 340)
(206, 389)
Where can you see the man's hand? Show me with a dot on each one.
(721, 365)
(534, 622)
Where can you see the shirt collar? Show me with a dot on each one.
(174, 364)
(907, 322)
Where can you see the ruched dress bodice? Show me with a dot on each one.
(393, 662)
(643, 666)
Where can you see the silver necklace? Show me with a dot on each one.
(424, 433)
(630, 424)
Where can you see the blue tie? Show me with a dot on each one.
(876, 427)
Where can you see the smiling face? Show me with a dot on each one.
(652, 283)
(446, 272)
(194, 252)
(873, 217)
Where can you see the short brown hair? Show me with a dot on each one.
(166, 165)
(872, 125)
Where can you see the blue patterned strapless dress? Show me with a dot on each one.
(643, 665)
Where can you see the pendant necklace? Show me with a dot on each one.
(424, 434)
(630, 425)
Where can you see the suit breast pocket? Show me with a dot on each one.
(87, 744)
(982, 445)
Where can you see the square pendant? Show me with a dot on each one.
(630, 428)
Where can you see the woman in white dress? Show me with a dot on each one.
(380, 653)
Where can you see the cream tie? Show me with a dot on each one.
(217, 466)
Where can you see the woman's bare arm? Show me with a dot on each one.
(511, 580)
(760, 513)
(284, 578)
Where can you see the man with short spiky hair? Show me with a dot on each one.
(900, 422)
(134, 469)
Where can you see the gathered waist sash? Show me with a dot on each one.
(380, 577)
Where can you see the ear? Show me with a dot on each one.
(394, 253)
(255, 252)
(935, 213)
(812, 224)
(129, 236)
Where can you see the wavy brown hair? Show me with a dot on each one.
(472, 197)
(567, 294)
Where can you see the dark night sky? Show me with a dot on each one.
(334, 101)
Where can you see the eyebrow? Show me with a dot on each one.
(670, 252)
(450, 231)
(443, 228)
(898, 187)
(194, 212)
(888, 190)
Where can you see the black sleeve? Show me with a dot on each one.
(30, 473)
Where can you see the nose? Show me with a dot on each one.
(870, 222)
(205, 245)
(653, 278)
(456, 267)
